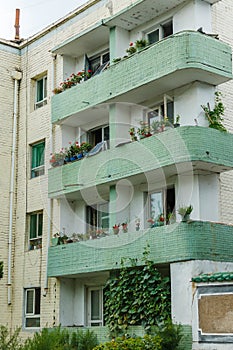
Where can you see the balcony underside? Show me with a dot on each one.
(171, 243)
(169, 64)
(188, 149)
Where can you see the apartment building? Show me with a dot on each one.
(108, 68)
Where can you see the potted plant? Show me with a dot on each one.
(140, 44)
(124, 227)
(55, 239)
(132, 49)
(132, 133)
(116, 229)
(185, 212)
(177, 122)
(85, 147)
(137, 223)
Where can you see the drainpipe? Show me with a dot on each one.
(16, 76)
(49, 200)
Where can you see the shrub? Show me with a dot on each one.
(58, 339)
(148, 342)
(8, 341)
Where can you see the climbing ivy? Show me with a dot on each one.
(138, 295)
(1, 269)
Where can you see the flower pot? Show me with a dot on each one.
(55, 241)
(116, 231)
(185, 218)
(80, 156)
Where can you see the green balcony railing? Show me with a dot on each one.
(176, 242)
(175, 61)
(188, 148)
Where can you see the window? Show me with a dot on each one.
(37, 162)
(162, 31)
(165, 109)
(35, 230)
(32, 308)
(95, 306)
(41, 92)
(161, 203)
(97, 63)
(98, 135)
(97, 217)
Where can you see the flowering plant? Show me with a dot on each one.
(132, 49)
(57, 158)
(72, 80)
(85, 147)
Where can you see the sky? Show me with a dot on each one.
(34, 15)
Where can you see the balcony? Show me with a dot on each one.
(170, 63)
(171, 243)
(175, 151)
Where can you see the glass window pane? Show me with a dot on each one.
(32, 322)
(39, 90)
(38, 155)
(37, 301)
(33, 225)
(170, 112)
(40, 224)
(153, 37)
(95, 305)
(29, 301)
(156, 204)
(106, 133)
(45, 87)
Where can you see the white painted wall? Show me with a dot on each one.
(67, 302)
(79, 303)
(121, 122)
(119, 42)
(137, 209)
(193, 15)
(187, 192)
(188, 101)
(209, 197)
(202, 192)
(68, 135)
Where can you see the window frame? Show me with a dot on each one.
(161, 29)
(90, 322)
(37, 170)
(104, 129)
(96, 210)
(35, 242)
(43, 101)
(103, 62)
(32, 315)
(164, 193)
(162, 110)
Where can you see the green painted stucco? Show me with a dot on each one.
(196, 147)
(177, 242)
(206, 59)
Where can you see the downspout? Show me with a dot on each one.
(49, 200)
(16, 76)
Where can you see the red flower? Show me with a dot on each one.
(131, 44)
(89, 71)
